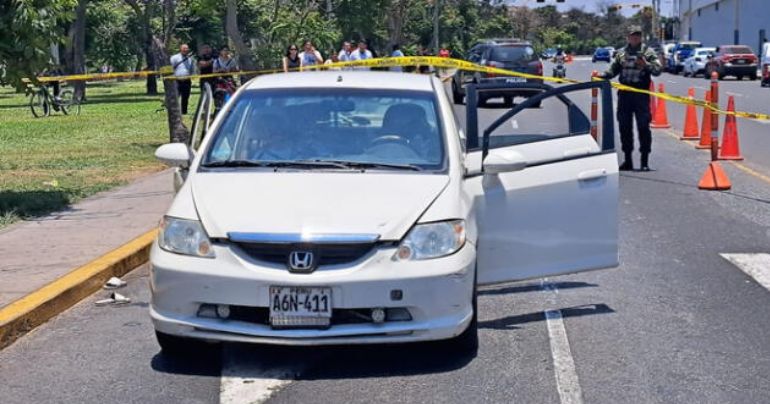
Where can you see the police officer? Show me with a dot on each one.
(635, 63)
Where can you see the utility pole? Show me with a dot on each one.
(655, 27)
(436, 10)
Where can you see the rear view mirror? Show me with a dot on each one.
(174, 154)
(504, 161)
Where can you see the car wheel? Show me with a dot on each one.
(752, 77)
(179, 346)
(593, 60)
(482, 101)
(740, 78)
(508, 102)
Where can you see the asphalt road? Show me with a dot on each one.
(676, 322)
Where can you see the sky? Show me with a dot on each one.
(666, 7)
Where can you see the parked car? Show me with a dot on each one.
(602, 54)
(765, 64)
(696, 63)
(374, 220)
(679, 53)
(612, 50)
(733, 60)
(548, 53)
(508, 54)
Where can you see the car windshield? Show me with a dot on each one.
(512, 54)
(330, 128)
(704, 52)
(602, 51)
(737, 50)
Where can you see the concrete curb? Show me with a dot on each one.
(34, 309)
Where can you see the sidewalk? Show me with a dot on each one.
(36, 252)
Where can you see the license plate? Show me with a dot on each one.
(740, 61)
(300, 306)
(516, 80)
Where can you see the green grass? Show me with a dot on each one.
(48, 163)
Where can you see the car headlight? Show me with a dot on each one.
(432, 240)
(186, 237)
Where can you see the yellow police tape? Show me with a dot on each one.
(447, 63)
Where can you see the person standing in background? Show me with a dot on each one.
(309, 56)
(183, 66)
(291, 59)
(397, 54)
(206, 64)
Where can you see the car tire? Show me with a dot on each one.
(593, 60)
(740, 77)
(752, 77)
(175, 346)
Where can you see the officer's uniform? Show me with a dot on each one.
(632, 104)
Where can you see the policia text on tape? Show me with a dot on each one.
(404, 61)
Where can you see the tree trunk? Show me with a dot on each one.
(79, 48)
(395, 19)
(176, 129)
(245, 60)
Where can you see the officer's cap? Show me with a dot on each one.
(634, 30)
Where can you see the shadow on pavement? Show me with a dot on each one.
(510, 322)
(205, 363)
(534, 287)
(32, 203)
(694, 186)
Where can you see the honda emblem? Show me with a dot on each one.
(302, 261)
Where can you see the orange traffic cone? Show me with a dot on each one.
(730, 149)
(705, 131)
(690, 120)
(661, 117)
(714, 178)
(652, 99)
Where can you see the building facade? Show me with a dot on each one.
(723, 22)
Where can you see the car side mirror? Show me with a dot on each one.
(504, 161)
(174, 154)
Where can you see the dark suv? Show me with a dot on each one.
(508, 54)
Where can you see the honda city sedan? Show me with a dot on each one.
(351, 208)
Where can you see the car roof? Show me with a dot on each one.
(343, 79)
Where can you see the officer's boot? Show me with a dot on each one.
(628, 163)
(645, 161)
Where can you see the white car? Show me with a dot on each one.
(696, 63)
(349, 208)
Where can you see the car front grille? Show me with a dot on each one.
(328, 254)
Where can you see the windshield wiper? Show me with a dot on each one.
(367, 164)
(277, 164)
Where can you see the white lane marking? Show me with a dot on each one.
(244, 382)
(756, 266)
(563, 365)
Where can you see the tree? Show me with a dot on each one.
(76, 48)
(30, 28)
(145, 16)
(245, 60)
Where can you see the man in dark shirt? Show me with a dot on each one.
(206, 65)
(635, 64)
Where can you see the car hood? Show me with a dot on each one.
(386, 204)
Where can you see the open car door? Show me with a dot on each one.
(546, 200)
(200, 125)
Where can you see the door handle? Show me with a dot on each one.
(592, 174)
(577, 152)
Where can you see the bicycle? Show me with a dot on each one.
(41, 101)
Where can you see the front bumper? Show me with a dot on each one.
(436, 292)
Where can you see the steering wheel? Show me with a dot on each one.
(384, 139)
